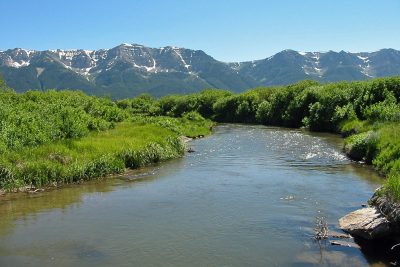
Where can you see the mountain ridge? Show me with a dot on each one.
(130, 69)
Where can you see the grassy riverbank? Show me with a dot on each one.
(52, 138)
(128, 145)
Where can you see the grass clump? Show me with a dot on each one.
(362, 146)
(392, 186)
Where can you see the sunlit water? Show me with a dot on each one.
(247, 196)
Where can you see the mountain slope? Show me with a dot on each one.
(130, 69)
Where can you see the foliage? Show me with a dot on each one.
(57, 137)
(35, 118)
(362, 146)
(128, 145)
(96, 155)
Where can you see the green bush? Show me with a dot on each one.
(35, 118)
(362, 146)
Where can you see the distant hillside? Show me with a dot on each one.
(130, 69)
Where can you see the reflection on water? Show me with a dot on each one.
(248, 196)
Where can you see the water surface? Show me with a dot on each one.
(247, 196)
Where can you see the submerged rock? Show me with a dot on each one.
(368, 223)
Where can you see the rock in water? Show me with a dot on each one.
(367, 223)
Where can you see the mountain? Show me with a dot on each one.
(122, 71)
(290, 66)
(130, 69)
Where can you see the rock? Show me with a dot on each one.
(185, 139)
(389, 208)
(367, 223)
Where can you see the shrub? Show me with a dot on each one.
(362, 146)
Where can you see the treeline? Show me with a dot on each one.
(367, 112)
(304, 104)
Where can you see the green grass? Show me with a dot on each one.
(353, 126)
(378, 144)
(392, 186)
(128, 145)
(387, 160)
(190, 125)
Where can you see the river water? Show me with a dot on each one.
(247, 196)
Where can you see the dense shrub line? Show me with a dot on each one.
(35, 118)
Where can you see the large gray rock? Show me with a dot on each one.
(367, 223)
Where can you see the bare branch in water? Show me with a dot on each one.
(321, 229)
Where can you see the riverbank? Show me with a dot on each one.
(377, 145)
(129, 145)
(58, 137)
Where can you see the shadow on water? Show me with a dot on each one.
(377, 253)
(384, 250)
(26, 206)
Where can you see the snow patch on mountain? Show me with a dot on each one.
(365, 59)
(19, 64)
(39, 71)
(151, 69)
(178, 52)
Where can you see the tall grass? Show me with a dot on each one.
(392, 186)
(128, 145)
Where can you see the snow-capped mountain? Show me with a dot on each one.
(291, 66)
(122, 71)
(131, 69)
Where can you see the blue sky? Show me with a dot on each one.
(228, 30)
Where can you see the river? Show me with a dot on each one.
(247, 196)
